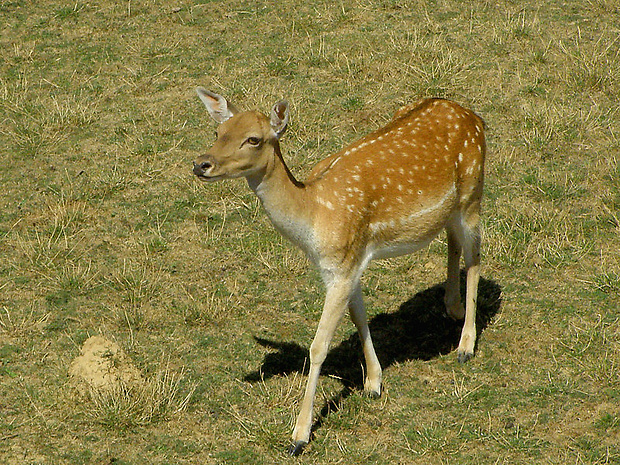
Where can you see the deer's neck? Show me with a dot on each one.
(285, 200)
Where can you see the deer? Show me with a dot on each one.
(389, 193)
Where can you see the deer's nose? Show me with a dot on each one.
(201, 168)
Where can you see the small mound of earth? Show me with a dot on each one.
(103, 366)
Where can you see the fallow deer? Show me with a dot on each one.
(388, 194)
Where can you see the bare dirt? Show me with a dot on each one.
(103, 366)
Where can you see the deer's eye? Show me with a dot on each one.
(253, 141)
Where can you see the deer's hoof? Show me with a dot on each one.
(297, 448)
(371, 394)
(463, 357)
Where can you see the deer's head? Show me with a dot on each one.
(246, 141)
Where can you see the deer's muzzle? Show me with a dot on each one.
(203, 167)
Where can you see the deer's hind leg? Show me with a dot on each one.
(466, 232)
(452, 297)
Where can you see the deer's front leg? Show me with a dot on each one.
(372, 382)
(336, 303)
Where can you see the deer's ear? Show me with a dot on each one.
(279, 117)
(217, 106)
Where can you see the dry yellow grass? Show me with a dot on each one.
(104, 231)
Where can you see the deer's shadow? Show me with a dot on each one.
(419, 330)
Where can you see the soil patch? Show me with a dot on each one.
(103, 366)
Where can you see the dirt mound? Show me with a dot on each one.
(103, 366)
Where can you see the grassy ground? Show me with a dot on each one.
(103, 230)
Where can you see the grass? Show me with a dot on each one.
(103, 230)
(130, 407)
